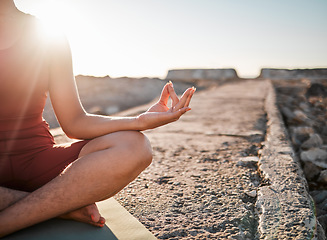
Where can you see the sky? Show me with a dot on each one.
(146, 38)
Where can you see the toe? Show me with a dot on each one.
(93, 211)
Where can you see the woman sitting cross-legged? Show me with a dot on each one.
(40, 180)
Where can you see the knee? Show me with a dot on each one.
(138, 146)
(132, 146)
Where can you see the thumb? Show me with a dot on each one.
(184, 110)
(180, 112)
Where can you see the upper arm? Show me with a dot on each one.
(62, 86)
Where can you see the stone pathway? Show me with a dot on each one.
(203, 179)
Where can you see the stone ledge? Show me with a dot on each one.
(286, 210)
(295, 74)
(219, 74)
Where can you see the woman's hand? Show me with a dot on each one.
(160, 114)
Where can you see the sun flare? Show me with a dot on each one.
(51, 19)
(56, 17)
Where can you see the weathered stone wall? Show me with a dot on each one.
(201, 74)
(286, 210)
(304, 108)
(285, 74)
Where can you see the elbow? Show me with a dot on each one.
(74, 128)
(77, 134)
(71, 133)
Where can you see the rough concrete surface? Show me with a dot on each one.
(200, 184)
(204, 182)
(286, 208)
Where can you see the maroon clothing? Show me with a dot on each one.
(29, 157)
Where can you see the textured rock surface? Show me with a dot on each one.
(309, 137)
(286, 208)
(195, 188)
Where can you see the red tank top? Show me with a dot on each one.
(24, 79)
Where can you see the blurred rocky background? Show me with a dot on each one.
(107, 96)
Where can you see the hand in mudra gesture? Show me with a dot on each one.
(160, 114)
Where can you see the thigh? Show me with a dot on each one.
(120, 138)
(49, 163)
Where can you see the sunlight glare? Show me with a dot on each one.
(53, 16)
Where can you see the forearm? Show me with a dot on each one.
(90, 126)
(78, 124)
(10, 196)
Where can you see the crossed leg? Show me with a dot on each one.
(106, 165)
(88, 214)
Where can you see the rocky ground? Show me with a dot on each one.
(303, 104)
(203, 180)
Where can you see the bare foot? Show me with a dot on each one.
(88, 214)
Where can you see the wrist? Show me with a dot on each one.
(138, 123)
